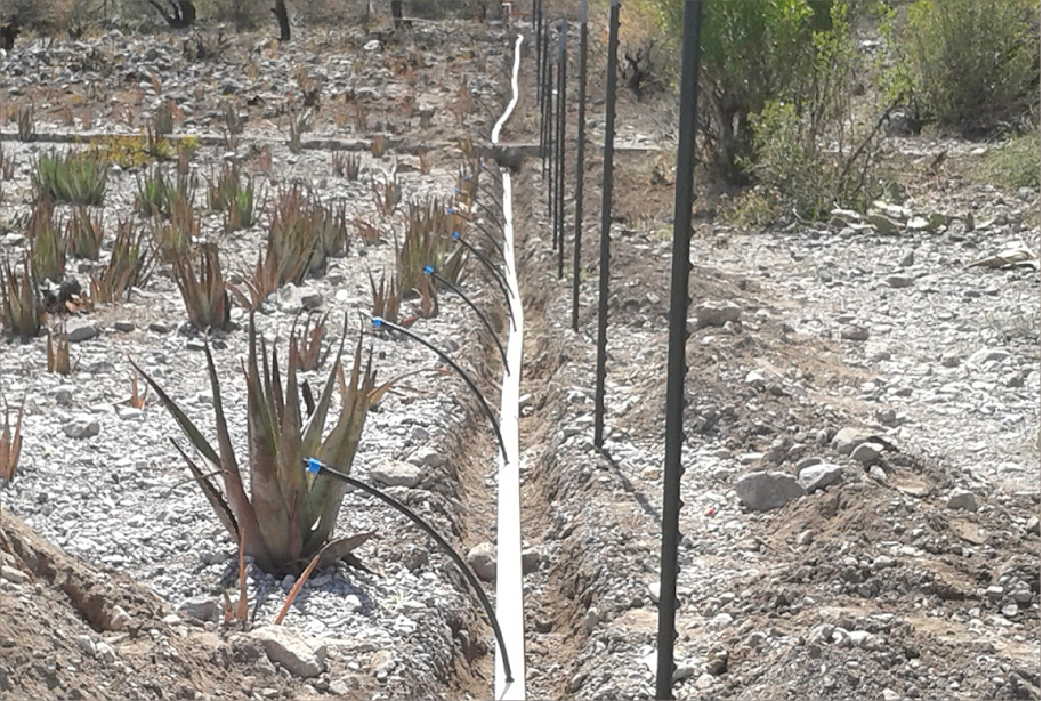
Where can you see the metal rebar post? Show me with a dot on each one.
(551, 151)
(544, 99)
(675, 399)
(561, 146)
(605, 225)
(580, 168)
(536, 29)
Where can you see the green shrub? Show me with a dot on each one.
(810, 152)
(752, 53)
(1016, 164)
(974, 65)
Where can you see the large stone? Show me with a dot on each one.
(426, 456)
(79, 330)
(382, 663)
(714, 314)
(81, 427)
(397, 473)
(481, 559)
(847, 439)
(292, 299)
(867, 452)
(201, 608)
(962, 499)
(814, 477)
(763, 491)
(301, 655)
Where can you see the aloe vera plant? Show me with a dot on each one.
(75, 177)
(21, 305)
(10, 439)
(206, 297)
(288, 517)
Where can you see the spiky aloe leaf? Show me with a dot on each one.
(212, 494)
(340, 447)
(11, 443)
(291, 476)
(342, 547)
(266, 496)
(245, 517)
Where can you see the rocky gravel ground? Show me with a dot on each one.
(100, 479)
(860, 496)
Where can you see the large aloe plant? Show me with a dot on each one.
(287, 518)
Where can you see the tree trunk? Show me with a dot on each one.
(283, 19)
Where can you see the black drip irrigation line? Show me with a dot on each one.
(491, 196)
(316, 467)
(379, 322)
(479, 226)
(507, 293)
(487, 210)
(494, 336)
(487, 324)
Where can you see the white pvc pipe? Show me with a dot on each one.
(509, 572)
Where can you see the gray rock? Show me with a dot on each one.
(962, 499)
(855, 333)
(86, 645)
(292, 299)
(714, 314)
(814, 477)
(395, 473)
(899, 282)
(79, 330)
(201, 608)
(427, 457)
(124, 325)
(763, 491)
(531, 560)
(481, 559)
(81, 427)
(119, 619)
(654, 591)
(104, 652)
(847, 439)
(867, 452)
(301, 655)
(988, 355)
(1034, 525)
(382, 663)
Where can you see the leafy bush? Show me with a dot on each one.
(1016, 164)
(752, 53)
(810, 152)
(974, 65)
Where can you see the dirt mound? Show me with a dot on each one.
(70, 631)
